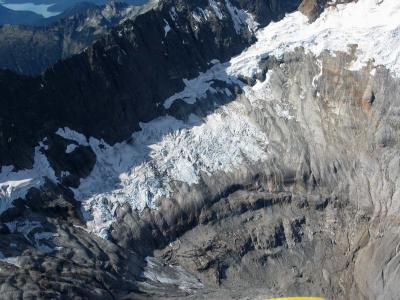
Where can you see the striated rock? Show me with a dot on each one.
(281, 172)
(117, 90)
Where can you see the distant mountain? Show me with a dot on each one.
(31, 49)
(8, 16)
(79, 8)
(204, 149)
(63, 5)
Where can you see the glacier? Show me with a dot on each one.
(142, 170)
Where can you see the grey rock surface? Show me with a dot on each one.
(319, 217)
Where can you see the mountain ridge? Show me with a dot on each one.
(32, 49)
(8, 16)
(191, 155)
(75, 76)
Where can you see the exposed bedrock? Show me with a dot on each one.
(313, 8)
(318, 216)
(122, 78)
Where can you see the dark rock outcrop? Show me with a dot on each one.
(32, 49)
(267, 11)
(116, 83)
(313, 8)
(316, 216)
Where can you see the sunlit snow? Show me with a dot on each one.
(142, 170)
(16, 184)
(375, 28)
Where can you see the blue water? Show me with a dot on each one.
(41, 9)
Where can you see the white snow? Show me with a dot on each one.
(200, 15)
(167, 28)
(241, 18)
(375, 28)
(9, 260)
(173, 14)
(215, 7)
(65, 174)
(142, 171)
(198, 87)
(69, 134)
(16, 184)
(166, 150)
(318, 76)
(71, 148)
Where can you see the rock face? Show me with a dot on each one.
(267, 11)
(116, 89)
(30, 50)
(213, 164)
(313, 8)
(307, 225)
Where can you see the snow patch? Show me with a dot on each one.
(241, 18)
(69, 134)
(374, 28)
(216, 9)
(200, 15)
(16, 184)
(10, 260)
(173, 14)
(318, 76)
(198, 87)
(167, 28)
(71, 148)
(142, 170)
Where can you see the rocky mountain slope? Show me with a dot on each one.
(32, 49)
(63, 5)
(202, 152)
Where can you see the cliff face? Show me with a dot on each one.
(189, 155)
(120, 80)
(267, 11)
(30, 50)
(309, 219)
